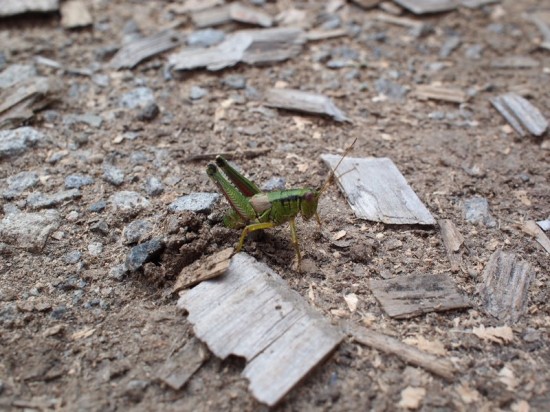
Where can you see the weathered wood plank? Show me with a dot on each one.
(251, 312)
(409, 354)
(427, 6)
(249, 15)
(14, 7)
(520, 114)
(209, 17)
(130, 55)
(413, 295)
(179, 367)
(298, 100)
(447, 94)
(377, 191)
(204, 269)
(505, 288)
(453, 240)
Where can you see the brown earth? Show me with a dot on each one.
(131, 326)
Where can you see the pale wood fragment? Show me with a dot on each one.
(251, 312)
(14, 7)
(74, 13)
(195, 5)
(292, 99)
(453, 241)
(427, 6)
(542, 21)
(514, 62)
(244, 14)
(447, 94)
(179, 367)
(505, 288)
(314, 35)
(212, 16)
(204, 269)
(522, 115)
(409, 354)
(401, 21)
(413, 295)
(377, 191)
(130, 55)
(248, 46)
(367, 4)
(19, 102)
(530, 227)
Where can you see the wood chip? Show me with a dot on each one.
(14, 7)
(366, 4)
(521, 114)
(179, 367)
(298, 100)
(82, 334)
(377, 191)
(542, 21)
(131, 54)
(248, 46)
(500, 334)
(530, 227)
(204, 269)
(413, 295)
(74, 14)
(244, 14)
(475, 4)
(196, 5)
(514, 62)
(447, 94)
(409, 354)
(453, 241)
(427, 6)
(401, 21)
(314, 35)
(19, 102)
(251, 312)
(506, 281)
(211, 17)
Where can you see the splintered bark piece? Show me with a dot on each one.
(409, 354)
(530, 227)
(130, 55)
(249, 15)
(204, 269)
(14, 7)
(377, 191)
(542, 21)
(251, 312)
(446, 94)
(506, 281)
(74, 13)
(520, 114)
(180, 366)
(291, 99)
(248, 46)
(19, 102)
(453, 240)
(427, 6)
(313, 35)
(413, 295)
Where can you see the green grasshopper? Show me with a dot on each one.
(255, 210)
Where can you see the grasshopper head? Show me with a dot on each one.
(211, 169)
(308, 205)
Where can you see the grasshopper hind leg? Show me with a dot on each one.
(294, 239)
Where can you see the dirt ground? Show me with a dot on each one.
(79, 334)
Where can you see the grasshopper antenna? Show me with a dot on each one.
(333, 171)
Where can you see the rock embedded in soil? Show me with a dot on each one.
(113, 175)
(76, 181)
(128, 201)
(149, 112)
(98, 206)
(19, 183)
(137, 98)
(16, 141)
(29, 231)
(39, 200)
(118, 272)
(197, 93)
(16, 73)
(153, 186)
(143, 253)
(195, 202)
(136, 231)
(235, 81)
(476, 210)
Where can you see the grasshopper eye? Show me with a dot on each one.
(211, 169)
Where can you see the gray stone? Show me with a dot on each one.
(19, 183)
(112, 174)
(392, 90)
(275, 183)
(476, 210)
(101, 80)
(118, 272)
(16, 73)
(95, 248)
(39, 200)
(473, 52)
(72, 257)
(197, 93)
(450, 45)
(29, 231)
(16, 141)
(98, 206)
(235, 81)
(205, 38)
(137, 98)
(141, 254)
(128, 201)
(100, 227)
(76, 181)
(86, 118)
(149, 112)
(153, 186)
(137, 231)
(195, 202)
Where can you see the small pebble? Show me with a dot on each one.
(234, 81)
(197, 93)
(137, 98)
(118, 272)
(95, 248)
(76, 181)
(143, 253)
(153, 186)
(137, 231)
(149, 112)
(72, 216)
(476, 210)
(72, 257)
(275, 183)
(98, 206)
(100, 228)
(128, 201)
(113, 175)
(195, 202)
